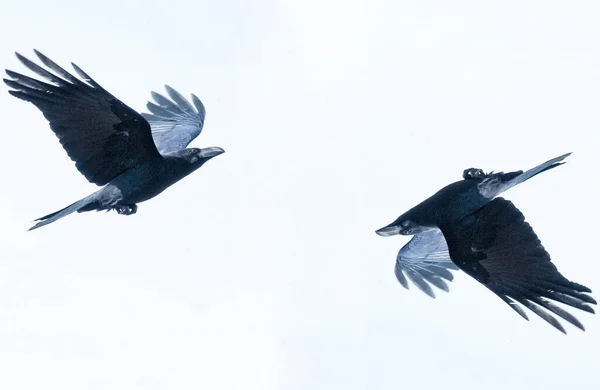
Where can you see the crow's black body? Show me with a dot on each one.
(134, 157)
(465, 226)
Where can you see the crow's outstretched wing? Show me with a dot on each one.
(175, 123)
(99, 132)
(425, 260)
(499, 249)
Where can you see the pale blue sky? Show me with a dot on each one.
(262, 270)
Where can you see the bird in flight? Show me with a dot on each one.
(133, 157)
(465, 226)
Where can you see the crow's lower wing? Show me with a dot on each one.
(99, 132)
(425, 260)
(499, 249)
(175, 122)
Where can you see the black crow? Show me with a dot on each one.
(134, 157)
(464, 226)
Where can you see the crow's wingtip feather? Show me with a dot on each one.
(40, 55)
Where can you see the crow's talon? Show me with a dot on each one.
(473, 173)
(126, 209)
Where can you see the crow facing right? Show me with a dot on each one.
(134, 157)
(464, 226)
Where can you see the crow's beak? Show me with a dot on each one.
(213, 151)
(389, 230)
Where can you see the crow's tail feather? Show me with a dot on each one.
(78, 206)
(523, 176)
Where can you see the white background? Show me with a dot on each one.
(262, 270)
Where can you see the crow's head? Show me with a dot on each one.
(404, 225)
(197, 157)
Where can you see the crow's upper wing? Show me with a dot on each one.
(101, 134)
(498, 248)
(425, 260)
(175, 123)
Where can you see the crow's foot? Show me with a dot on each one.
(126, 209)
(473, 173)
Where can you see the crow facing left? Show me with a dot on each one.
(464, 226)
(134, 157)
